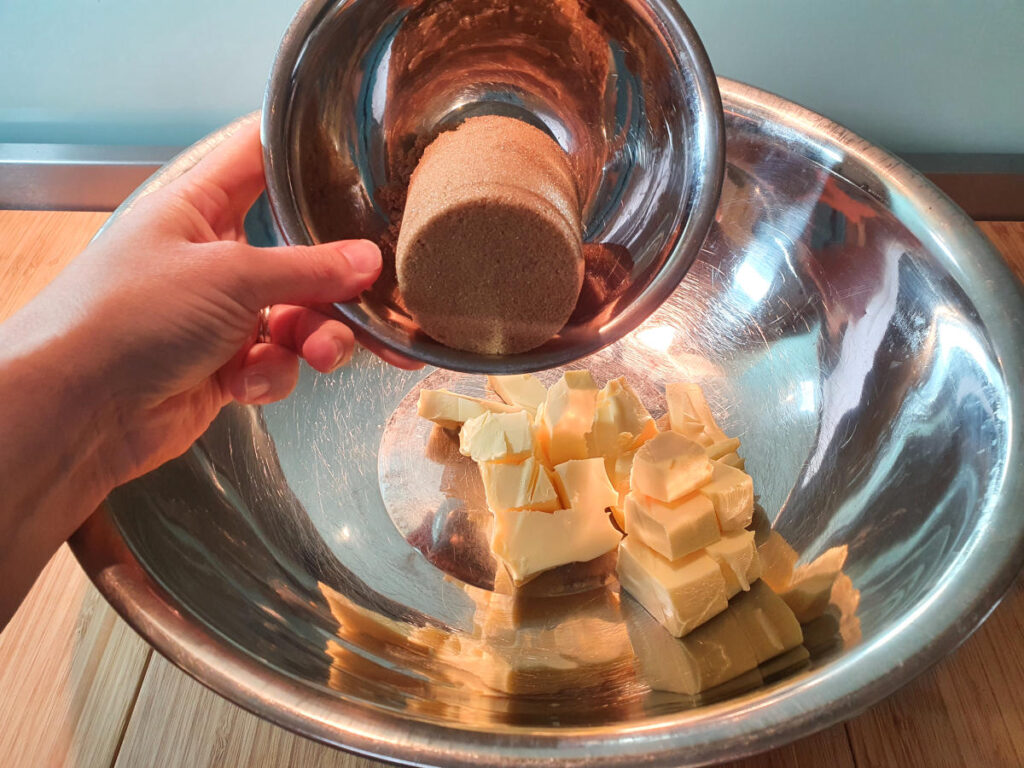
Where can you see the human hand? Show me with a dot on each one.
(161, 311)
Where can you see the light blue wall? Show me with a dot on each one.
(913, 75)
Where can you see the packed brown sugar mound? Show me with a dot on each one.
(489, 255)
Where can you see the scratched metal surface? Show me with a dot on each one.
(847, 322)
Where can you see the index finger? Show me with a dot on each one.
(234, 167)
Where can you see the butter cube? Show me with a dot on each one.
(681, 595)
(566, 416)
(451, 410)
(672, 529)
(621, 422)
(767, 622)
(736, 555)
(526, 485)
(583, 484)
(710, 655)
(669, 466)
(735, 460)
(686, 403)
(523, 390)
(732, 492)
(723, 448)
(529, 542)
(497, 437)
(810, 590)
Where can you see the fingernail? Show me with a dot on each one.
(363, 257)
(255, 386)
(341, 354)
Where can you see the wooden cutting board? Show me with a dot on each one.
(79, 688)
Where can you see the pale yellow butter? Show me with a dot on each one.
(451, 410)
(686, 404)
(583, 484)
(523, 390)
(669, 466)
(618, 469)
(671, 529)
(529, 542)
(810, 590)
(731, 490)
(692, 430)
(621, 421)
(723, 448)
(767, 622)
(681, 595)
(736, 554)
(710, 655)
(530, 647)
(518, 486)
(778, 560)
(734, 460)
(566, 416)
(497, 437)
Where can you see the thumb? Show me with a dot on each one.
(306, 274)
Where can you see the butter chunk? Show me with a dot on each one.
(686, 405)
(736, 554)
(810, 590)
(734, 460)
(530, 542)
(526, 485)
(497, 437)
(692, 430)
(618, 468)
(451, 410)
(681, 595)
(672, 529)
(566, 416)
(669, 466)
(723, 448)
(778, 561)
(710, 655)
(621, 421)
(583, 484)
(523, 390)
(731, 490)
(767, 622)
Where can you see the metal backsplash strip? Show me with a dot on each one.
(76, 177)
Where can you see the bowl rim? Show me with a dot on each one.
(683, 250)
(785, 711)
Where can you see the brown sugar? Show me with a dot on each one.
(489, 255)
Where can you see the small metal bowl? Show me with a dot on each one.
(359, 87)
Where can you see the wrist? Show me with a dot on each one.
(57, 428)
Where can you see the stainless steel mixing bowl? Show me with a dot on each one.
(320, 563)
(359, 86)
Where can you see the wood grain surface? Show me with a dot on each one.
(78, 688)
